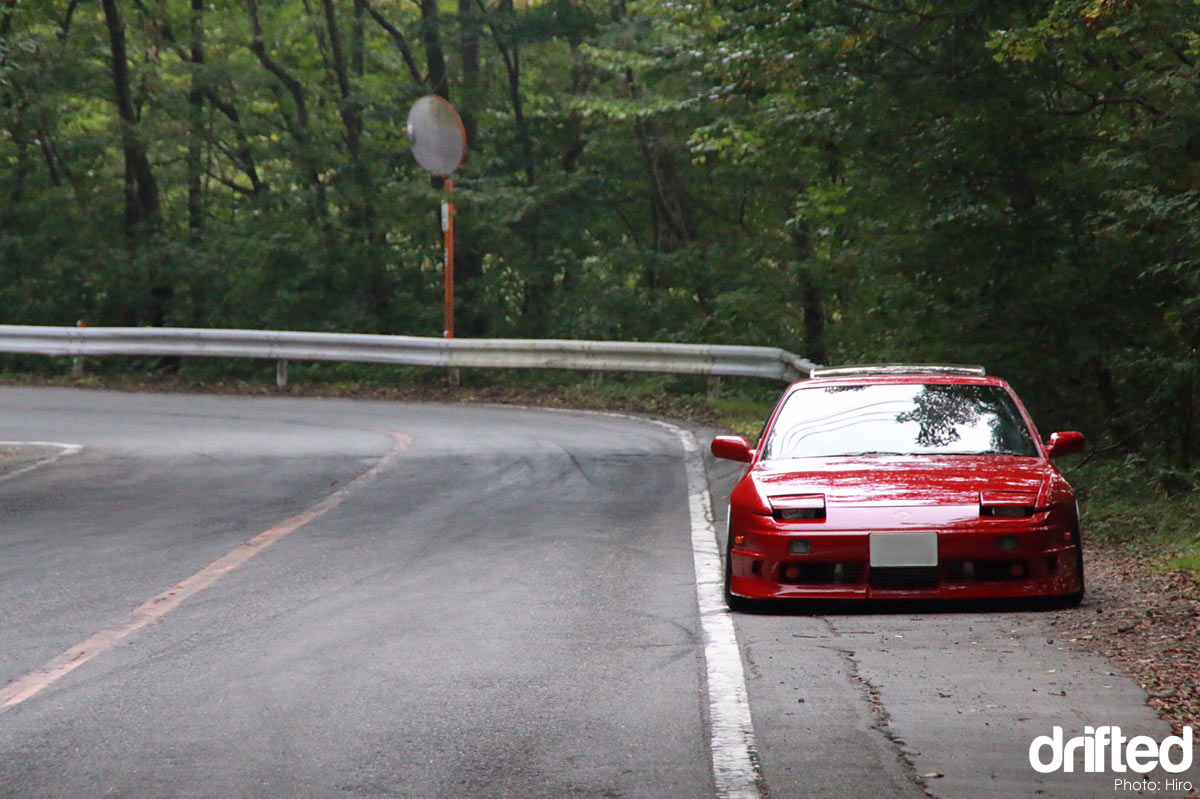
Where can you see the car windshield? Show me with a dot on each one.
(898, 419)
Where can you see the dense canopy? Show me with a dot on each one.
(1011, 183)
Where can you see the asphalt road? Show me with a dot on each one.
(455, 601)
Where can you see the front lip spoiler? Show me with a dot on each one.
(1048, 587)
(853, 605)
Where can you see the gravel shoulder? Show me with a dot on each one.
(1145, 623)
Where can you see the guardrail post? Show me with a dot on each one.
(714, 388)
(281, 373)
(77, 361)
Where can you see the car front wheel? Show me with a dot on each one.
(738, 604)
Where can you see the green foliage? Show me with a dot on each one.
(1150, 512)
(1016, 184)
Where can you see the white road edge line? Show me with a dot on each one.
(734, 754)
(735, 763)
(64, 451)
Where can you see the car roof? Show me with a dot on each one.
(901, 373)
(897, 369)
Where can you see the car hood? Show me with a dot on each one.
(905, 480)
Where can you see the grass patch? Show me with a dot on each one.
(1146, 512)
(743, 415)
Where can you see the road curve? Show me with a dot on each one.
(454, 601)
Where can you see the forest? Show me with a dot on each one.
(1015, 184)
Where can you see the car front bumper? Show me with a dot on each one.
(975, 561)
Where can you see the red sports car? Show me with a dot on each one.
(901, 482)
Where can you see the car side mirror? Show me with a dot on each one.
(732, 448)
(1066, 443)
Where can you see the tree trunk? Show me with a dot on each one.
(505, 37)
(435, 60)
(1187, 419)
(195, 162)
(813, 303)
(299, 126)
(435, 56)
(812, 300)
(675, 226)
(142, 208)
(358, 61)
(19, 135)
(362, 209)
(397, 39)
(242, 153)
(581, 82)
(468, 47)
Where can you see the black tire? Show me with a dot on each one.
(737, 604)
(1070, 600)
(1073, 599)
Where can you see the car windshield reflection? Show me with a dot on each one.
(898, 419)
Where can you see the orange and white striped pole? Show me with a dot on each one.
(448, 264)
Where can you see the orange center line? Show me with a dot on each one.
(153, 609)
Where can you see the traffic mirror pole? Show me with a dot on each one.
(448, 263)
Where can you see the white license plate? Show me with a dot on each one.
(904, 549)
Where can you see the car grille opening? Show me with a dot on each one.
(820, 573)
(904, 576)
(986, 571)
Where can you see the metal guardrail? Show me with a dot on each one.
(714, 360)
